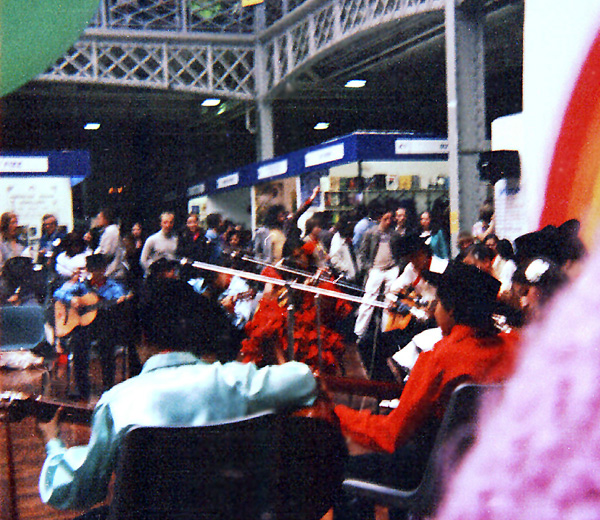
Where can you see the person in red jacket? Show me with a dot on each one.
(471, 350)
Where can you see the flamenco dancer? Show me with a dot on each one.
(267, 332)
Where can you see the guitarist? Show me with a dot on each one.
(75, 294)
(417, 280)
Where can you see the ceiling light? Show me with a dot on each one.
(211, 102)
(356, 83)
(321, 126)
(91, 126)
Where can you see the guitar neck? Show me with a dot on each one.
(19, 407)
(366, 387)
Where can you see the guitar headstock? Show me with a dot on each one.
(15, 404)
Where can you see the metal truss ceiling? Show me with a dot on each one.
(213, 47)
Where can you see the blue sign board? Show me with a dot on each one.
(358, 146)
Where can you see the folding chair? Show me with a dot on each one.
(268, 466)
(21, 327)
(455, 435)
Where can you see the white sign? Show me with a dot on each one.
(420, 146)
(32, 197)
(324, 155)
(228, 180)
(273, 169)
(198, 189)
(23, 164)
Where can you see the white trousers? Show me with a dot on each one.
(375, 280)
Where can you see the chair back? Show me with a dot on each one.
(455, 434)
(21, 327)
(269, 466)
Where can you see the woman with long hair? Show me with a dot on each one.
(9, 230)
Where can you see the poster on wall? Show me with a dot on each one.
(280, 192)
(308, 182)
(32, 197)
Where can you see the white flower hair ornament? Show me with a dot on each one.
(536, 269)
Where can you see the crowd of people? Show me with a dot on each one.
(379, 283)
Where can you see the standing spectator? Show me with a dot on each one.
(312, 237)
(192, 245)
(271, 246)
(485, 225)
(440, 228)
(192, 242)
(366, 222)
(401, 221)
(110, 244)
(162, 244)
(50, 234)
(406, 217)
(9, 229)
(214, 221)
(343, 259)
(375, 258)
(137, 233)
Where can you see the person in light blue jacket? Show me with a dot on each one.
(182, 383)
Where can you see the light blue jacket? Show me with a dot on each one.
(174, 389)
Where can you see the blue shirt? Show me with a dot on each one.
(111, 290)
(215, 246)
(361, 227)
(173, 389)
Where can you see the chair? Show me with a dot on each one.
(456, 433)
(21, 327)
(268, 466)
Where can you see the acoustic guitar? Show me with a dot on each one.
(67, 317)
(403, 312)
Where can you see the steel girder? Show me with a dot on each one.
(174, 44)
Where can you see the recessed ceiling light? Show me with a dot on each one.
(321, 126)
(211, 102)
(356, 83)
(91, 126)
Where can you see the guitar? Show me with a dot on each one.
(67, 317)
(18, 405)
(403, 311)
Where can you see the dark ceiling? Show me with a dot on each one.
(170, 138)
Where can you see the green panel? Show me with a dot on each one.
(35, 33)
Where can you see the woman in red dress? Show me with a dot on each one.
(267, 332)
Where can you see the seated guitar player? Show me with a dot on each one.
(183, 383)
(471, 350)
(86, 300)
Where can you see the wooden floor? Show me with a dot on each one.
(28, 449)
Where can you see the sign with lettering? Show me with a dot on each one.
(228, 181)
(198, 189)
(273, 169)
(324, 155)
(420, 146)
(18, 164)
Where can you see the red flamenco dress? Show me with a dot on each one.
(267, 332)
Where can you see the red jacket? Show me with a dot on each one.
(459, 357)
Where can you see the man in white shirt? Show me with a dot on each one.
(162, 244)
(110, 244)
